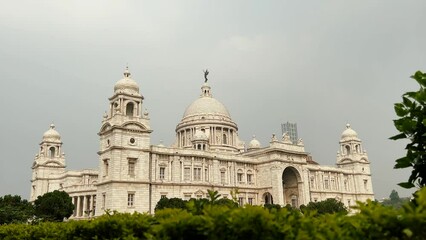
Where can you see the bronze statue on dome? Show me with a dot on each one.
(206, 72)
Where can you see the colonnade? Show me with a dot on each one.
(216, 137)
(84, 206)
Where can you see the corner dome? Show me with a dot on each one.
(51, 134)
(349, 134)
(254, 143)
(127, 84)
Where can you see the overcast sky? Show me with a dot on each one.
(321, 64)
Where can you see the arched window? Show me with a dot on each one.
(358, 150)
(268, 198)
(348, 149)
(52, 152)
(225, 139)
(129, 109)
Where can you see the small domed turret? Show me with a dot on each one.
(349, 134)
(200, 135)
(127, 84)
(254, 144)
(52, 135)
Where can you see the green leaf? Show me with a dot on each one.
(403, 162)
(408, 232)
(406, 185)
(400, 110)
(410, 94)
(420, 78)
(398, 136)
(407, 102)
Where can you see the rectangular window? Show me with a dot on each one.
(345, 182)
(163, 196)
(187, 196)
(106, 167)
(162, 170)
(326, 183)
(131, 170)
(187, 174)
(197, 174)
(349, 202)
(365, 184)
(249, 178)
(103, 200)
(206, 175)
(240, 201)
(333, 185)
(199, 196)
(312, 183)
(130, 199)
(250, 201)
(222, 177)
(240, 177)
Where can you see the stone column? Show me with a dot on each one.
(78, 207)
(169, 172)
(75, 206)
(84, 205)
(182, 173)
(191, 171)
(91, 206)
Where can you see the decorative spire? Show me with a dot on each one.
(52, 126)
(348, 125)
(126, 72)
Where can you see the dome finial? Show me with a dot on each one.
(206, 72)
(126, 72)
(52, 125)
(348, 125)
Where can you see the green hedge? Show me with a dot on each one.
(373, 221)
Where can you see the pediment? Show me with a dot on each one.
(53, 164)
(345, 160)
(105, 127)
(135, 126)
(199, 192)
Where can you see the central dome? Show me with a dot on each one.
(207, 119)
(206, 106)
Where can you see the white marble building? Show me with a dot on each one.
(207, 154)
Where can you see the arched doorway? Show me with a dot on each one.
(267, 197)
(291, 186)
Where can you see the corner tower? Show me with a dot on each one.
(353, 157)
(48, 164)
(124, 151)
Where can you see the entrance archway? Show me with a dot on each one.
(291, 186)
(267, 197)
